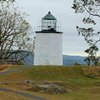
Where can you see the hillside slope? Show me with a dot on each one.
(83, 82)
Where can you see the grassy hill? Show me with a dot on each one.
(83, 82)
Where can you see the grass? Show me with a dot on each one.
(70, 76)
(11, 96)
(53, 73)
(83, 81)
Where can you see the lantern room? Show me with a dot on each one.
(49, 22)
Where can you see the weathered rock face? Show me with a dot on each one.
(51, 88)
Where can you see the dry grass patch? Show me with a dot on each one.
(93, 72)
(4, 67)
(11, 96)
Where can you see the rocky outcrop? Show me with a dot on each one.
(52, 88)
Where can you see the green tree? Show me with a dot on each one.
(15, 32)
(92, 8)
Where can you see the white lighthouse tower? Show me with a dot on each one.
(48, 44)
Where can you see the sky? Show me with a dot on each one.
(68, 20)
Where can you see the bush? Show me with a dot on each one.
(92, 72)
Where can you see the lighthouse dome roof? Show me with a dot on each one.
(49, 16)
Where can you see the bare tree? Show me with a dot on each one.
(91, 36)
(14, 31)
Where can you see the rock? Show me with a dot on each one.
(51, 88)
(28, 81)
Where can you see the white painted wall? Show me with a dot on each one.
(48, 49)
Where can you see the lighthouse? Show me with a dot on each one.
(48, 43)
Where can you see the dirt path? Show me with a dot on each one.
(30, 96)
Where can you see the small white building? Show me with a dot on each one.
(48, 43)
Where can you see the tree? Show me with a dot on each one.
(92, 59)
(92, 7)
(14, 32)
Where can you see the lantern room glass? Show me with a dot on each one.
(49, 24)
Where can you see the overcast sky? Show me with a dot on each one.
(61, 9)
